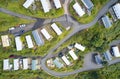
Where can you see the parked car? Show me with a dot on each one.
(22, 25)
(21, 63)
(111, 51)
(97, 58)
(22, 31)
(60, 54)
(12, 28)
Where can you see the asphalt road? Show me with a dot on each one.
(77, 27)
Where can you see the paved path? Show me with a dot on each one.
(16, 14)
(65, 6)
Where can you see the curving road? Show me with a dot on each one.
(77, 27)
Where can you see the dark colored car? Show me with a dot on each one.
(97, 58)
(60, 54)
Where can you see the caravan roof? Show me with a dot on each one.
(29, 41)
(116, 9)
(18, 43)
(56, 29)
(16, 64)
(38, 38)
(6, 65)
(73, 55)
(66, 60)
(25, 63)
(5, 40)
(79, 46)
(116, 51)
(78, 9)
(46, 5)
(28, 3)
(46, 34)
(57, 3)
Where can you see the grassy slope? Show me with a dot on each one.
(16, 6)
(7, 21)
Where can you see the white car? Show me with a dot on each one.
(23, 25)
(12, 28)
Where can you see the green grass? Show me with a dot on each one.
(17, 6)
(86, 18)
(7, 21)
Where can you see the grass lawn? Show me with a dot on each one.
(7, 21)
(17, 6)
(86, 18)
